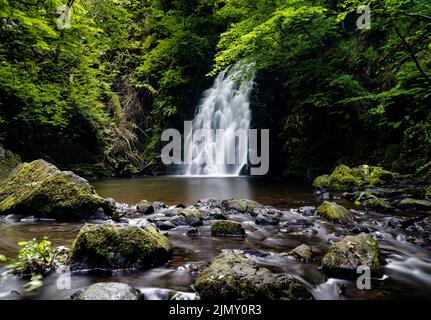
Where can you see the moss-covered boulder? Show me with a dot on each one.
(145, 207)
(8, 161)
(188, 216)
(344, 257)
(118, 247)
(344, 178)
(40, 189)
(240, 206)
(414, 205)
(233, 276)
(377, 204)
(322, 182)
(108, 291)
(227, 228)
(333, 212)
(303, 253)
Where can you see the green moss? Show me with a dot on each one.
(344, 178)
(322, 181)
(227, 228)
(303, 252)
(234, 276)
(192, 215)
(117, 247)
(352, 252)
(41, 189)
(428, 192)
(333, 212)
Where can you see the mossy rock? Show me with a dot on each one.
(344, 178)
(240, 205)
(118, 247)
(303, 253)
(322, 182)
(192, 215)
(227, 229)
(108, 291)
(8, 161)
(345, 257)
(414, 205)
(145, 207)
(377, 204)
(40, 189)
(333, 212)
(233, 276)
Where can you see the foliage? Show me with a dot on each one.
(106, 88)
(34, 257)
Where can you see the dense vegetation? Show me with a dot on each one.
(103, 89)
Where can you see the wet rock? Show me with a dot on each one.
(217, 214)
(166, 225)
(227, 229)
(44, 191)
(233, 276)
(377, 204)
(298, 224)
(108, 291)
(344, 257)
(303, 253)
(267, 219)
(118, 247)
(358, 229)
(322, 182)
(159, 206)
(189, 216)
(333, 212)
(414, 205)
(196, 268)
(307, 211)
(99, 215)
(194, 232)
(145, 207)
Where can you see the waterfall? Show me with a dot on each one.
(225, 106)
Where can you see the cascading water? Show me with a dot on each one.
(225, 110)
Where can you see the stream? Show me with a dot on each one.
(407, 258)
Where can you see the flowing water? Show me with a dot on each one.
(218, 142)
(407, 260)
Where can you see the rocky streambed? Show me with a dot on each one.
(219, 248)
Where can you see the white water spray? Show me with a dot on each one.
(225, 106)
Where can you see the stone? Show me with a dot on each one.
(44, 191)
(108, 291)
(303, 253)
(227, 229)
(344, 257)
(118, 247)
(333, 212)
(414, 205)
(145, 207)
(233, 276)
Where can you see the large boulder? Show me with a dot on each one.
(346, 256)
(118, 247)
(344, 178)
(108, 291)
(333, 212)
(225, 228)
(40, 189)
(233, 276)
